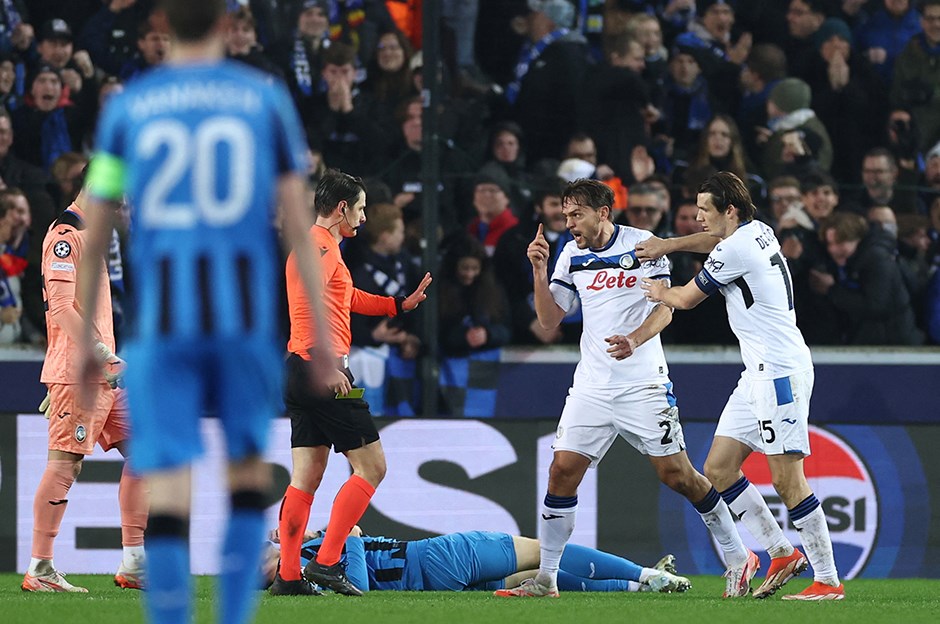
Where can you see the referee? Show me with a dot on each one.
(340, 419)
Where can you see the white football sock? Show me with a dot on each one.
(814, 533)
(721, 524)
(754, 513)
(555, 528)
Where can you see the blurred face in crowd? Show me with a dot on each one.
(241, 37)
(55, 52)
(930, 22)
(645, 211)
(634, 59)
(506, 147)
(895, 118)
(719, 139)
(879, 176)
(391, 55)
(801, 21)
(718, 20)
(7, 76)
(109, 88)
(46, 91)
(489, 200)
(154, 46)
(391, 241)
(684, 69)
(934, 215)
(781, 198)
(411, 128)
(839, 251)
(650, 36)
(553, 217)
(897, 8)
(685, 220)
(583, 149)
(6, 227)
(468, 270)
(884, 217)
(313, 23)
(820, 202)
(19, 214)
(6, 136)
(835, 45)
(932, 172)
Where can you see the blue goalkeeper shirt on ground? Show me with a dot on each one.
(454, 562)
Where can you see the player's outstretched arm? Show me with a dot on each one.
(655, 247)
(679, 297)
(547, 309)
(413, 300)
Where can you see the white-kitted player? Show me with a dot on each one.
(621, 385)
(769, 409)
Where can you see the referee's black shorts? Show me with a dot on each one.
(344, 424)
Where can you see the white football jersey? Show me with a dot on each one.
(751, 272)
(608, 282)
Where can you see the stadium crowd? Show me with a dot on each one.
(832, 120)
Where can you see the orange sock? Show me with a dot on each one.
(350, 503)
(49, 505)
(291, 524)
(132, 498)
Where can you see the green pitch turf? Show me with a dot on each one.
(868, 601)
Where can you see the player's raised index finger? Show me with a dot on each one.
(539, 234)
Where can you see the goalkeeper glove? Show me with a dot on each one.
(45, 407)
(112, 367)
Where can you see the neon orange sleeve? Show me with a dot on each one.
(372, 305)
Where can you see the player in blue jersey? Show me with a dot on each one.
(478, 560)
(201, 147)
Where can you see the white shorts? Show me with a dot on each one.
(770, 415)
(645, 416)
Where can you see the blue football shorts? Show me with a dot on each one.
(470, 560)
(172, 383)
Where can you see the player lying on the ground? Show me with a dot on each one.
(479, 560)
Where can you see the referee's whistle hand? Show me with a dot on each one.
(414, 299)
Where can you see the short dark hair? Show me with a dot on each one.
(382, 218)
(729, 190)
(848, 226)
(591, 193)
(768, 61)
(923, 4)
(192, 21)
(817, 6)
(817, 179)
(552, 186)
(7, 195)
(339, 54)
(879, 152)
(334, 187)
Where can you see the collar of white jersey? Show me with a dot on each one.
(613, 237)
